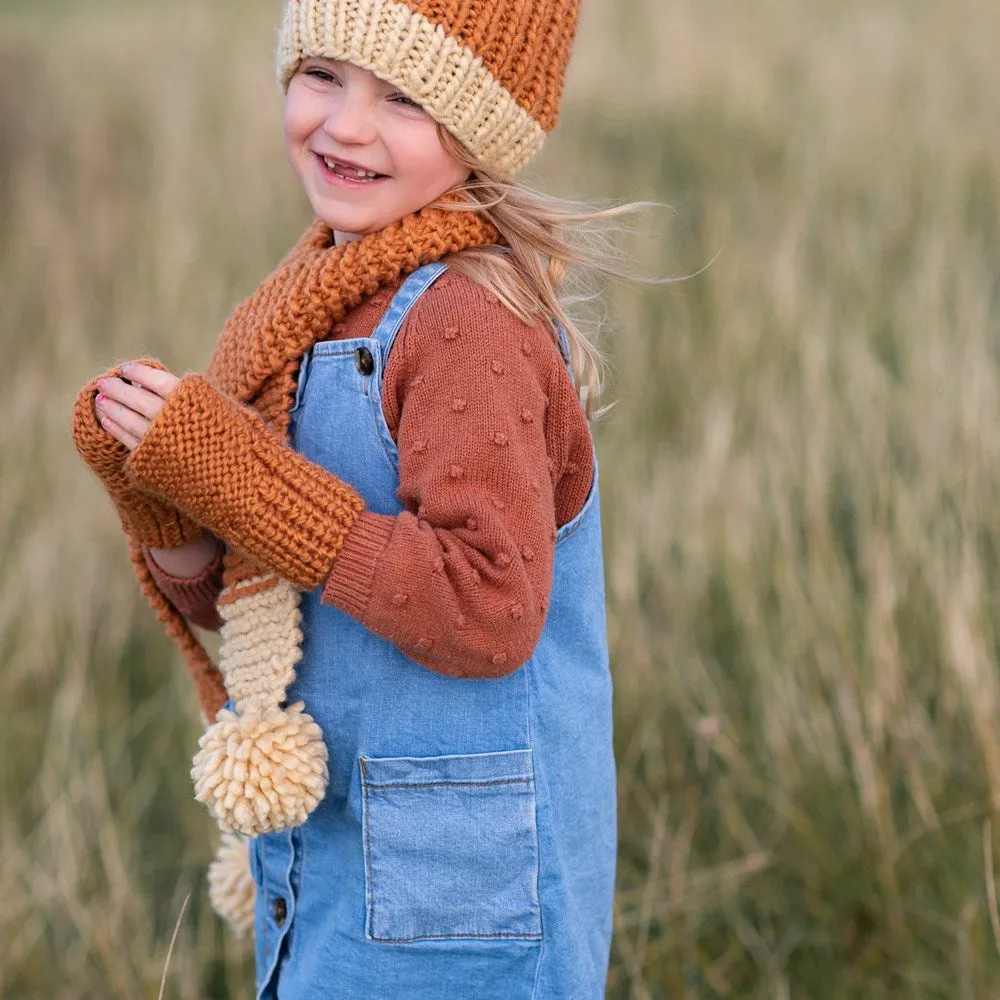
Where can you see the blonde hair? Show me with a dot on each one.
(548, 237)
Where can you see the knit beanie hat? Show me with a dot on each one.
(490, 71)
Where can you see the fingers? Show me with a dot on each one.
(132, 397)
(126, 405)
(120, 417)
(157, 381)
(117, 431)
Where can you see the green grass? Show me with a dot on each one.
(799, 484)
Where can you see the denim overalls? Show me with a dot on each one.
(465, 848)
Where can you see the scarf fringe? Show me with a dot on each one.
(262, 768)
(204, 673)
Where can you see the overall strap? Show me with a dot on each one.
(405, 298)
(402, 302)
(564, 350)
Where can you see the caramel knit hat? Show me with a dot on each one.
(490, 71)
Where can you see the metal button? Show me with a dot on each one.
(364, 360)
(280, 910)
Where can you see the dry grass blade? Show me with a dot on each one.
(170, 949)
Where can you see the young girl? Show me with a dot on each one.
(384, 493)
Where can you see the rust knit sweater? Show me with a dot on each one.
(476, 497)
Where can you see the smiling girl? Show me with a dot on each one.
(365, 153)
(383, 492)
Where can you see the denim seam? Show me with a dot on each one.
(283, 930)
(436, 937)
(299, 855)
(538, 965)
(370, 881)
(486, 783)
(462, 756)
(538, 840)
(389, 448)
(265, 981)
(338, 348)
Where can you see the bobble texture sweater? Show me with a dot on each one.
(495, 454)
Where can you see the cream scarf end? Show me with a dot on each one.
(262, 768)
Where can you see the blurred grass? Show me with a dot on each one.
(799, 484)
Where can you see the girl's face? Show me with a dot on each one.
(339, 118)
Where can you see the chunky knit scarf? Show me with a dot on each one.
(263, 767)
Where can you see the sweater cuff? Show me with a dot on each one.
(215, 459)
(194, 597)
(349, 585)
(200, 587)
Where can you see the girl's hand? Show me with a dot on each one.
(126, 411)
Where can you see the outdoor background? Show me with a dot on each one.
(799, 484)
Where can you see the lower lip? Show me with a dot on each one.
(331, 178)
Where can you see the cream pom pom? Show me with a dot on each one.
(231, 887)
(262, 771)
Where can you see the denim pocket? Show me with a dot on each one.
(450, 846)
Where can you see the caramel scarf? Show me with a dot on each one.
(264, 766)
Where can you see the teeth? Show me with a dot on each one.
(333, 166)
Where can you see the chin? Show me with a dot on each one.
(348, 223)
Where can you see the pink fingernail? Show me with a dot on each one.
(101, 398)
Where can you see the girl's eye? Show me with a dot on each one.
(321, 74)
(406, 101)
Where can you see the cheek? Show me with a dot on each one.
(298, 118)
(293, 129)
(425, 162)
(453, 171)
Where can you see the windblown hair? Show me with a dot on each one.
(549, 237)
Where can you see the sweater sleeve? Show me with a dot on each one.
(194, 597)
(218, 461)
(460, 580)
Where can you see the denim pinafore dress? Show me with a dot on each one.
(466, 844)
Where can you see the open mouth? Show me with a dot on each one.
(344, 172)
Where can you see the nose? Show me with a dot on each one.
(350, 120)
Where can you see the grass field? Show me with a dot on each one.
(800, 484)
